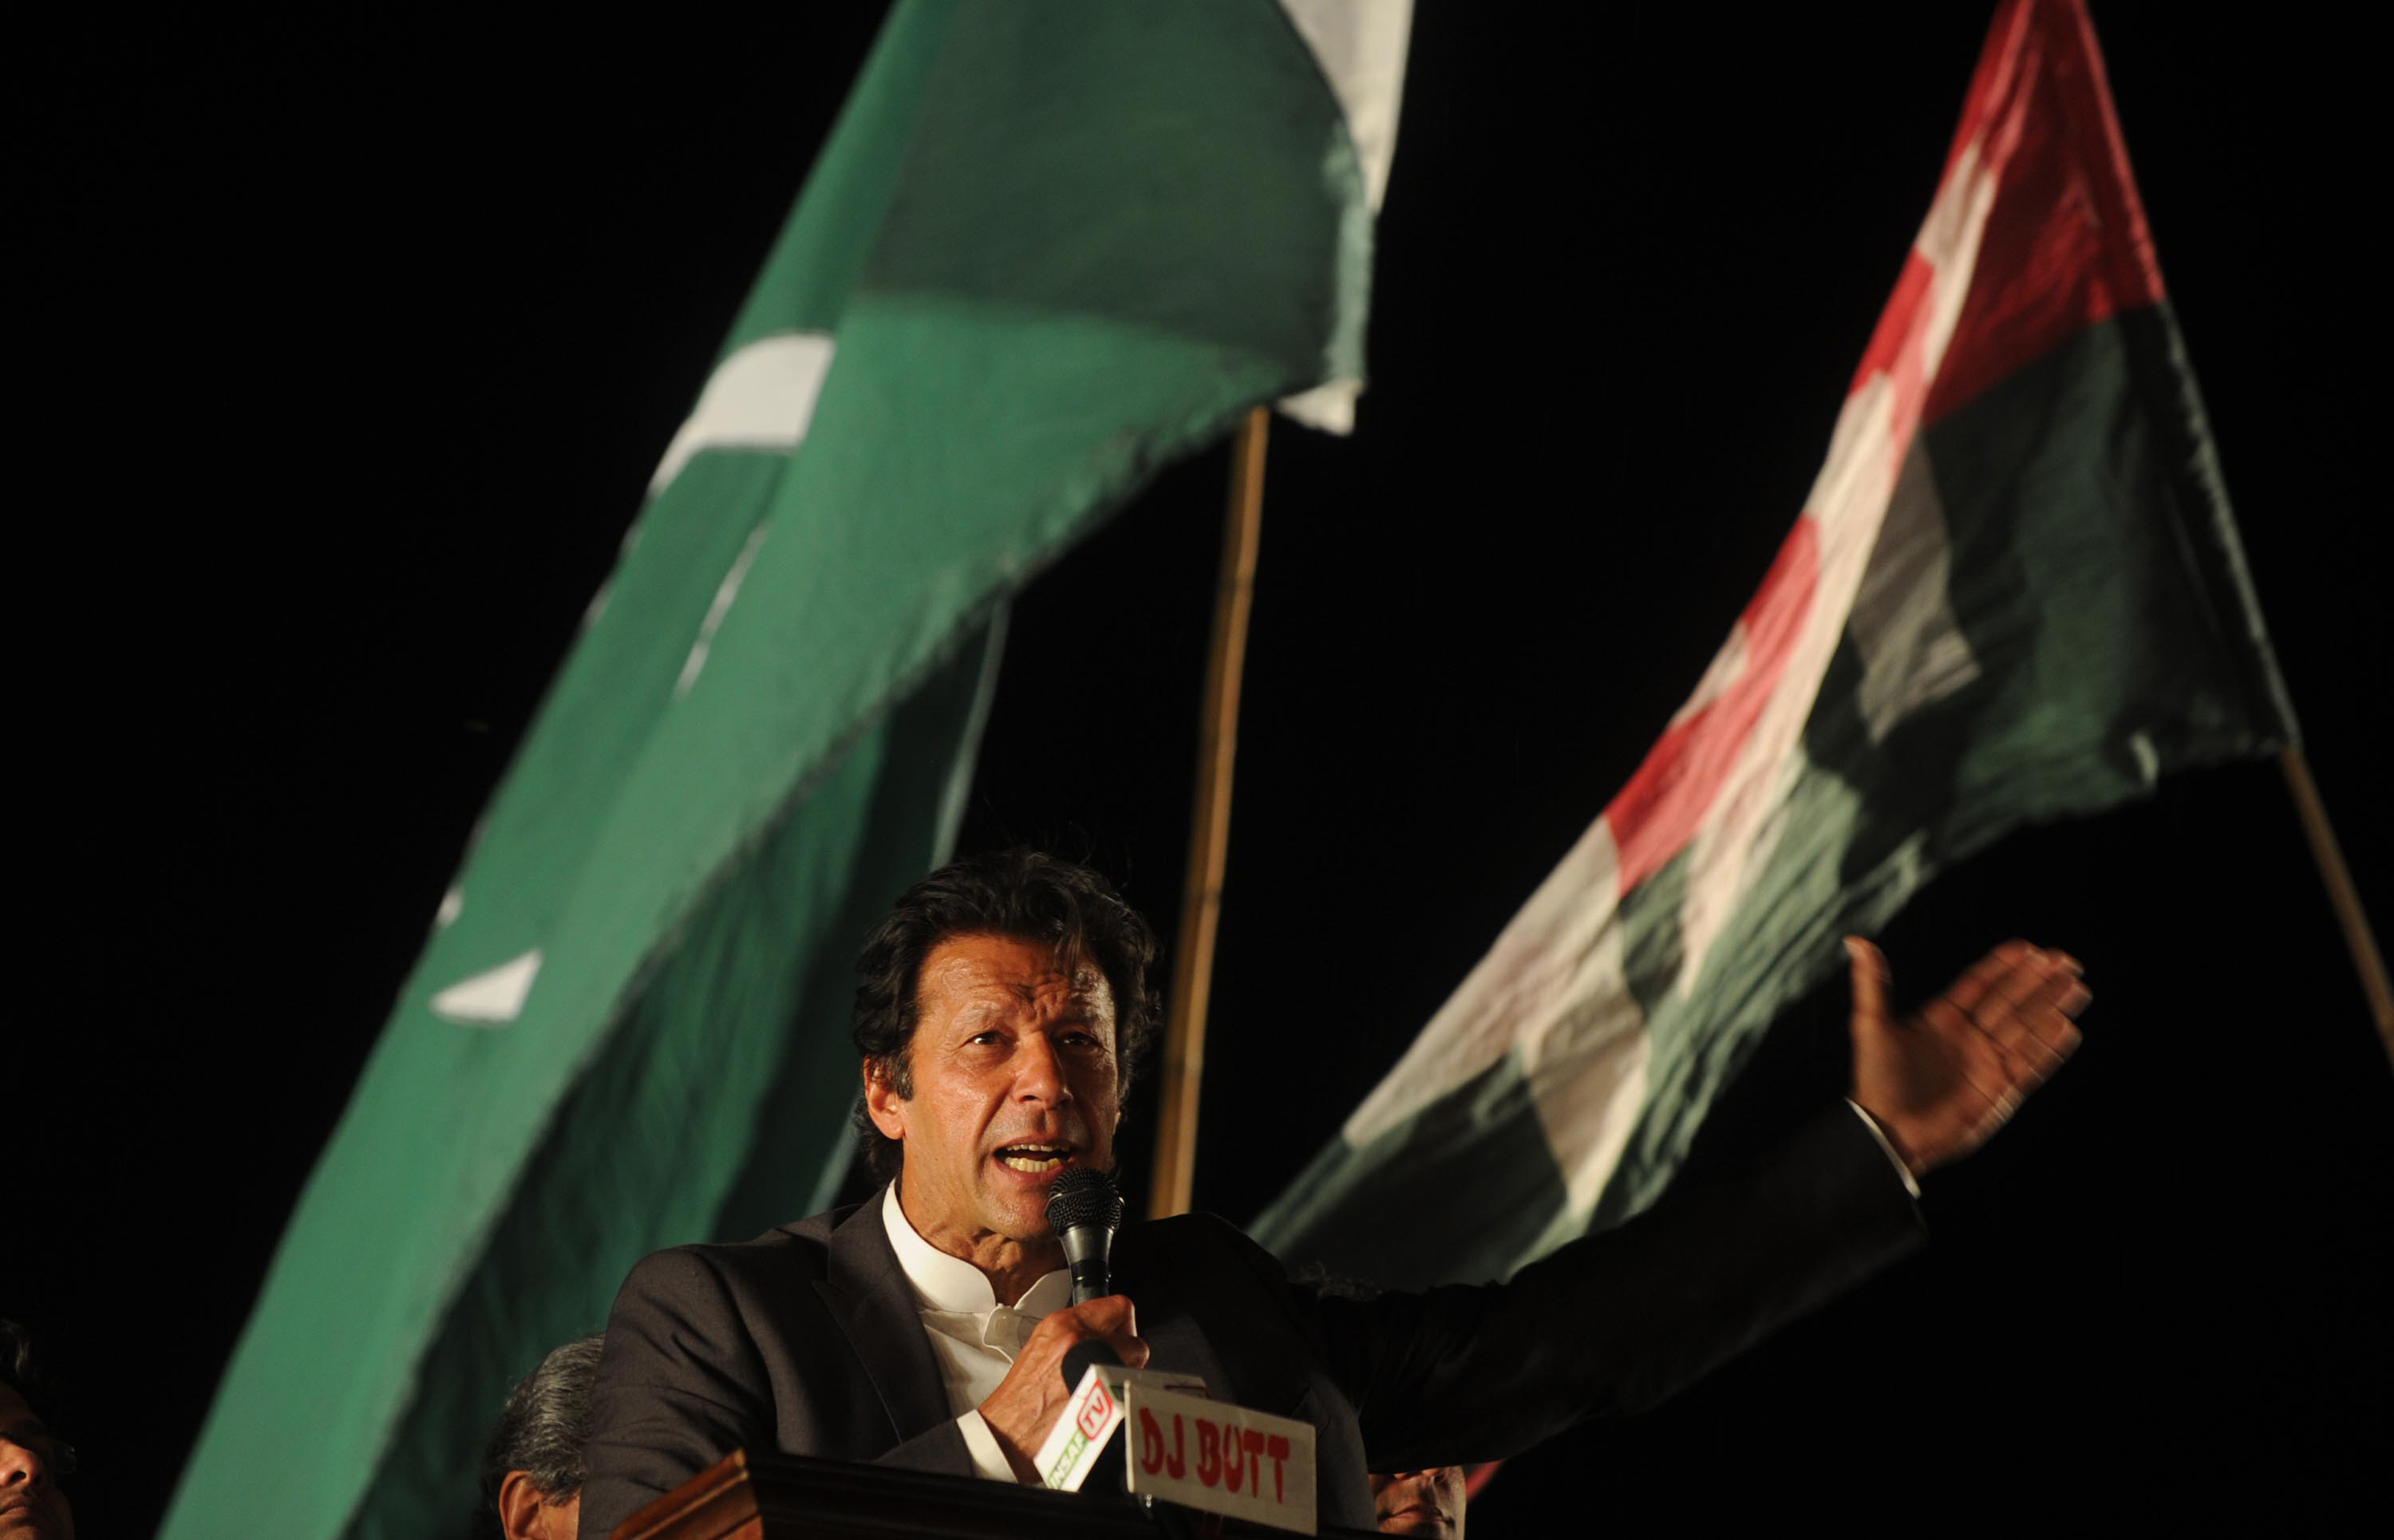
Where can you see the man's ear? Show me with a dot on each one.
(519, 1504)
(883, 1104)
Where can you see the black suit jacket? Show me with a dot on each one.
(806, 1339)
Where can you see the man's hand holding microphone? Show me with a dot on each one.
(1086, 1209)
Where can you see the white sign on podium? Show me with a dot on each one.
(1220, 1458)
(1185, 1448)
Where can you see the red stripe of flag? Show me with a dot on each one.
(2067, 245)
(1659, 810)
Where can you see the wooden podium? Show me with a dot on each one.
(782, 1496)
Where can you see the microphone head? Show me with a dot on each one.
(1084, 1197)
(1080, 1355)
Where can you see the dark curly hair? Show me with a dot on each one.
(1027, 895)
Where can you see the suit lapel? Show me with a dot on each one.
(867, 1294)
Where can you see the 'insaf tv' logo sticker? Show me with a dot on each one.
(1096, 1410)
(1066, 1456)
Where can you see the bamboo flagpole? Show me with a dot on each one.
(1209, 829)
(2341, 895)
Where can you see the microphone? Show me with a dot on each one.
(1085, 1208)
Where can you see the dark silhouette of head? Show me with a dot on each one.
(32, 1458)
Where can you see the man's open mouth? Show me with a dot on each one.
(1034, 1158)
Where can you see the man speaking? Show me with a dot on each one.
(1003, 1006)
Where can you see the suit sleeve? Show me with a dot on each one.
(680, 1386)
(1614, 1323)
(943, 1450)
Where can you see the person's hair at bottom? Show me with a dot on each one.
(543, 1428)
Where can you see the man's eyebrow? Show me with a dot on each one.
(1048, 984)
(1081, 996)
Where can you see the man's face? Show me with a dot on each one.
(1016, 1082)
(31, 1506)
(1420, 1502)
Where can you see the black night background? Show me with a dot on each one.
(347, 349)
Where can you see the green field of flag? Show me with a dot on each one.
(1047, 250)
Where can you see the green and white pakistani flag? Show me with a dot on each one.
(2014, 594)
(1047, 249)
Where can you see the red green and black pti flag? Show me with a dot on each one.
(2015, 594)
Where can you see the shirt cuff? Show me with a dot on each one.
(1910, 1184)
(989, 1461)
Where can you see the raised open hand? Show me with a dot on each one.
(1944, 1078)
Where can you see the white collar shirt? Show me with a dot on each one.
(974, 1338)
